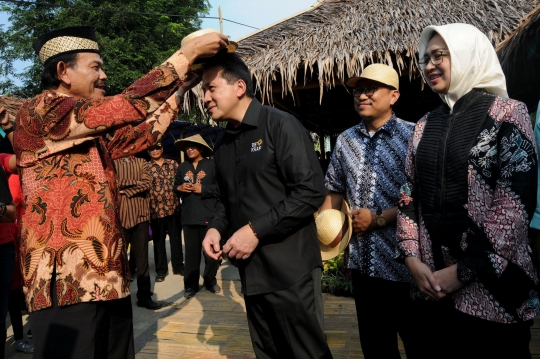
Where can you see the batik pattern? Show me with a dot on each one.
(163, 199)
(69, 184)
(369, 171)
(502, 170)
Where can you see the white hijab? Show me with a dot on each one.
(474, 61)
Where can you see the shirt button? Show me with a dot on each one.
(238, 160)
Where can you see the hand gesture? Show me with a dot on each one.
(425, 280)
(196, 188)
(448, 279)
(241, 244)
(185, 187)
(363, 221)
(192, 79)
(211, 244)
(206, 45)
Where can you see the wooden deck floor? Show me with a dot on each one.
(215, 326)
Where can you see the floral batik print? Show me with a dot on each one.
(65, 149)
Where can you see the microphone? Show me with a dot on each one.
(187, 179)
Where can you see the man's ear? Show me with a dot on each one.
(241, 88)
(395, 97)
(61, 72)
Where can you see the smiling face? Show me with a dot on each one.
(221, 97)
(194, 152)
(438, 76)
(379, 104)
(156, 153)
(86, 79)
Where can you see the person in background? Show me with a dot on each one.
(535, 222)
(195, 183)
(367, 170)
(465, 209)
(164, 212)
(134, 180)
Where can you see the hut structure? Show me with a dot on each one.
(520, 59)
(300, 64)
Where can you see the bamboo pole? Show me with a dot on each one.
(220, 20)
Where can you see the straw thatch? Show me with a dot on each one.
(11, 104)
(529, 26)
(336, 39)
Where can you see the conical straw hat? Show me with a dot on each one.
(334, 230)
(183, 143)
(231, 47)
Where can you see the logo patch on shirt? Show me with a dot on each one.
(256, 146)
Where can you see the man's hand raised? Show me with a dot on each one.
(206, 45)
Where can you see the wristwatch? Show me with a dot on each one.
(2, 209)
(380, 221)
(464, 273)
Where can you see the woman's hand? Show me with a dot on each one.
(425, 279)
(448, 279)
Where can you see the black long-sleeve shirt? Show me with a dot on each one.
(197, 209)
(268, 174)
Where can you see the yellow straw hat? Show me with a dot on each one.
(334, 229)
(231, 47)
(377, 72)
(185, 142)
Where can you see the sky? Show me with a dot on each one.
(255, 13)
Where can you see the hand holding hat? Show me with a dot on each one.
(334, 230)
(203, 43)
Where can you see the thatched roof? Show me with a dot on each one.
(529, 26)
(336, 39)
(11, 104)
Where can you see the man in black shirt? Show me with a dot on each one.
(270, 184)
(195, 181)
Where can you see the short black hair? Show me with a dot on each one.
(49, 77)
(234, 69)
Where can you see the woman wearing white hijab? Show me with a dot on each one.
(465, 210)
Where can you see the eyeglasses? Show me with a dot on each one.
(368, 91)
(436, 58)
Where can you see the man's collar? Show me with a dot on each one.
(251, 118)
(388, 127)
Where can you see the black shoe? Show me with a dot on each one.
(190, 292)
(161, 277)
(214, 288)
(149, 304)
(179, 272)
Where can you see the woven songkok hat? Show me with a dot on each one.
(65, 41)
(185, 142)
(334, 230)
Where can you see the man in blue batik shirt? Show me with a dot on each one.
(367, 169)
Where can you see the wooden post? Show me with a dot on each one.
(220, 20)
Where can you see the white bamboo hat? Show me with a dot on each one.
(334, 229)
(231, 47)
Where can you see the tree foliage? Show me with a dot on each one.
(130, 44)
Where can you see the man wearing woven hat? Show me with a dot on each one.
(196, 184)
(75, 269)
(270, 184)
(367, 169)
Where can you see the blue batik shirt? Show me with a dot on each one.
(370, 170)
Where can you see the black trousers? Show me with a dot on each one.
(384, 309)
(138, 238)
(160, 228)
(288, 323)
(15, 315)
(452, 334)
(93, 330)
(193, 237)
